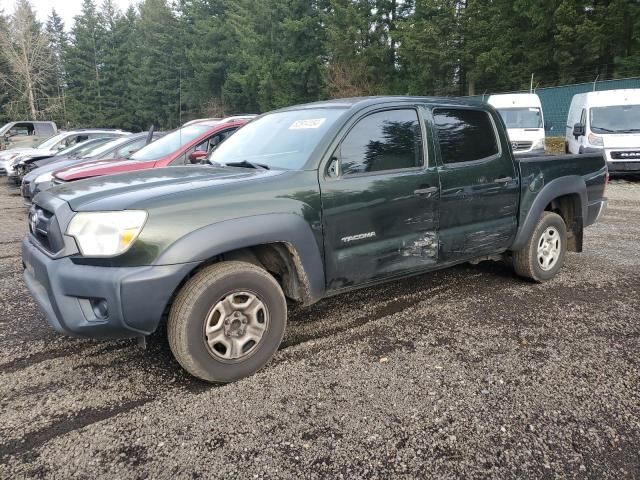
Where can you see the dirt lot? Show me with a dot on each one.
(468, 373)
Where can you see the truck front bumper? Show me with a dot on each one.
(99, 302)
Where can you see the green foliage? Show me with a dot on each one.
(167, 61)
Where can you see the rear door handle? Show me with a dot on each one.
(426, 191)
(503, 180)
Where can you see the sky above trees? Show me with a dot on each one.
(67, 9)
(164, 62)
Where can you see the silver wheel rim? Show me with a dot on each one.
(235, 325)
(549, 247)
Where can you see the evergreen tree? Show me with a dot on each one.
(156, 64)
(83, 60)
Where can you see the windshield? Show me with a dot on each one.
(170, 143)
(78, 149)
(5, 128)
(48, 144)
(282, 140)
(615, 119)
(111, 144)
(521, 117)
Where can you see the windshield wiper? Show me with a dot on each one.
(630, 130)
(604, 130)
(246, 163)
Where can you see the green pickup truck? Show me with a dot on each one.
(301, 203)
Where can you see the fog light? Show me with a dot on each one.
(100, 308)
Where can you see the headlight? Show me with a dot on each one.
(105, 234)
(595, 140)
(45, 177)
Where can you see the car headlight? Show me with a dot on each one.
(106, 234)
(45, 177)
(595, 140)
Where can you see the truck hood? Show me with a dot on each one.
(131, 190)
(12, 152)
(98, 168)
(624, 140)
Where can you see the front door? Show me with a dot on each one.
(479, 182)
(380, 200)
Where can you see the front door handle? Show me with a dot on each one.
(426, 191)
(503, 180)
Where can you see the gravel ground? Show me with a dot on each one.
(469, 372)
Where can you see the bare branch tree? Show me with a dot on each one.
(25, 47)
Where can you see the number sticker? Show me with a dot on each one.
(306, 124)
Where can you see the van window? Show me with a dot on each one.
(389, 140)
(521, 117)
(465, 135)
(583, 117)
(615, 119)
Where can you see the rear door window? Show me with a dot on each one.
(465, 135)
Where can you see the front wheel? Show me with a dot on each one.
(227, 321)
(545, 251)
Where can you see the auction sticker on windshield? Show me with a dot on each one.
(304, 124)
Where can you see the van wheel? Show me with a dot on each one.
(545, 252)
(227, 321)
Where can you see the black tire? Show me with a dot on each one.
(525, 261)
(197, 298)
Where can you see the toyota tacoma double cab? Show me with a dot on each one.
(301, 203)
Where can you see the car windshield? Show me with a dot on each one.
(521, 117)
(110, 145)
(5, 128)
(615, 119)
(79, 149)
(282, 140)
(48, 144)
(170, 143)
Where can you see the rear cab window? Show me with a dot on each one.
(465, 135)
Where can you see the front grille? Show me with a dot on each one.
(44, 227)
(518, 146)
(634, 155)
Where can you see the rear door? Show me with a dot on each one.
(380, 199)
(479, 184)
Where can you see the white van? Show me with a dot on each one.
(609, 122)
(522, 114)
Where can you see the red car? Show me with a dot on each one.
(184, 146)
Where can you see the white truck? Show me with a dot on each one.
(524, 119)
(609, 122)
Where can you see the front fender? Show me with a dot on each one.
(218, 238)
(569, 185)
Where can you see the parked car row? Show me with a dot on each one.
(48, 148)
(288, 208)
(606, 122)
(87, 153)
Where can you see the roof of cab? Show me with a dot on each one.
(360, 102)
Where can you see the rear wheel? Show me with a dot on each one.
(227, 321)
(545, 252)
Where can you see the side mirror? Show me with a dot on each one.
(197, 156)
(579, 130)
(334, 168)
